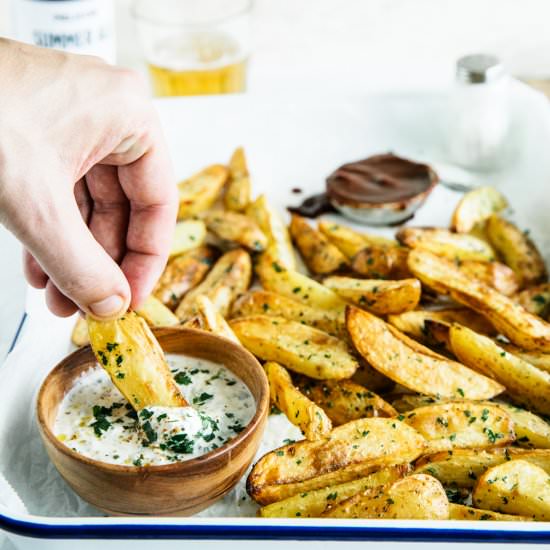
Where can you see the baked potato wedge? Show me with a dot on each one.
(229, 277)
(468, 513)
(238, 228)
(188, 234)
(382, 262)
(416, 496)
(209, 318)
(514, 487)
(536, 300)
(370, 378)
(156, 313)
(318, 253)
(129, 352)
(475, 207)
(199, 192)
(531, 430)
(300, 348)
(426, 373)
(536, 358)
(299, 409)
(375, 295)
(237, 193)
(493, 274)
(79, 335)
(518, 251)
(352, 450)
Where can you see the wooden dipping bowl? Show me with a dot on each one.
(182, 488)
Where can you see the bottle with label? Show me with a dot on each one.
(77, 26)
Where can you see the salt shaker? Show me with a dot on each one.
(479, 117)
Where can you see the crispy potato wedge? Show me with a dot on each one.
(129, 352)
(237, 194)
(319, 254)
(442, 242)
(238, 228)
(427, 374)
(279, 245)
(525, 383)
(351, 451)
(313, 503)
(531, 430)
(517, 324)
(229, 277)
(79, 335)
(536, 358)
(156, 313)
(468, 513)
(188, 234)
(475, 207)
(262, 302)
(299, 409)
(200, 191)
(458, 425)
(518, 251)
(209, 318)
(536, 300)
(514, 487)
(414, 497)
(382, 262)
(493, 274)
(182, 273)
(300, 348)
(345, 400)
(370, 378)
(377, 296)
(406, 402)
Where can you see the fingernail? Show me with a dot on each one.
(108, 307)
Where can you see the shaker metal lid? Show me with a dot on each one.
(479, 69)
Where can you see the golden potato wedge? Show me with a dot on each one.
(514, 487)
(200, 191)
(188, 234)
(129, 352)
(475, 207)
(427, 374)
(414, 497)
(237, 194)
(536, 358)
(406, 402)
(493, 274)
(209, 318)
(262, 302)
(156, 313)
(536, 300)
(453, 246)
(318, 253)
(313, 503)
(79, 335)
(370, 378)
(517, 324)
(229, 277)
(468, 513)
(375, 295)
(525, 383)
(382, 262)
(531, 430)
(182, 273)
(458, 425)
(345, 400)
(518, 251)
(299, 409)
(300, 348)
(273, 227)
(238, 228)
(351, 451)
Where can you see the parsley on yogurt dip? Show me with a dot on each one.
(95, 420)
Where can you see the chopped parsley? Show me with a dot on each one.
(183, 378)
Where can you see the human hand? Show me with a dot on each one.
(86, 183)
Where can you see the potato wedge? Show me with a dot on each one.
(353, 450)
(414, 497)
(156, 313)
(200, 191)
(237, 194)
(375, 295)
(406, 402)
(382, 262)
(525, 383)
(182, 273)
(209, 318)
(468, 513)
(515, 487)
(262, 302)
(188, 234)
(238, 228)
(318, 253)
(531, 430)
(79, 335)
(313, 503)
(458, 425)
(518, 251)
(536, 358)
(521, 327)
(299, 409)
(300, 348)
(273, 227)
(493, 274)
(129, 352)
(229, 277)
(475, 207)
(370, 378)
(427, 374)
(453, 246)
(536, 300)
(345, 400)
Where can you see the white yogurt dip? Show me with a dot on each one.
(95, 420)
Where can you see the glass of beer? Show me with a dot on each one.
(195, 47)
